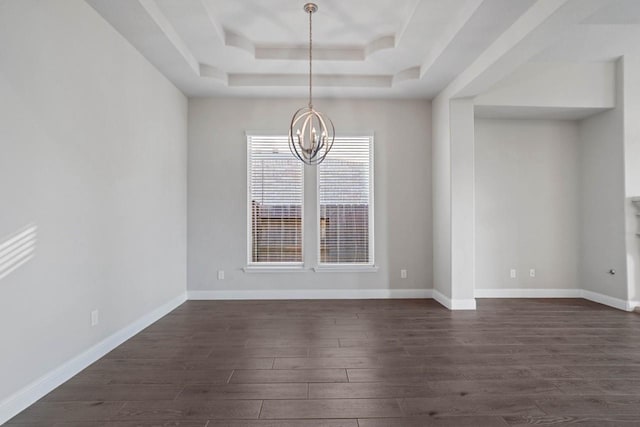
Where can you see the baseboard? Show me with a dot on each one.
(454, 304)
(527, 293)
(290, 294)
(618, 303)
(25, 397)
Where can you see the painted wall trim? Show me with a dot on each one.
(618, 303)
(454, 304)
(527, 293)
(268, 294)
(14, 404)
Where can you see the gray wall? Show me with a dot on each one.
(441, 190)
(632, 171)
(93, 155)
(602, 220)
(217, 192)
(527, 210)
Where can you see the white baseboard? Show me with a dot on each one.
(20, 400)
(457, 304)
(454, 304)
(290, 294)
(618, 303)
(527, 293)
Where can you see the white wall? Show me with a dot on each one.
(556, 84)
(462, 201)
(93, 154)
(442, 196)
(527, 176)
(602, 200)
(217, 195)
(632, 171)
(453, 202)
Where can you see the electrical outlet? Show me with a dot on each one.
(220, 274)
(403, 274)
(94, 318)
(513, 273)
(532, 272)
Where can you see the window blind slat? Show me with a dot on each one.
(276, 195)
(344, 202)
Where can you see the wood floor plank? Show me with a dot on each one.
(247, 376)
(157, 376)
(182, 410)
(112, 392)
(369, 390)
(326, 362)
(232, 352)
(243, 391)
(616, 371)
(590, 405)
(357, 352)
(285, 423)
(53, 412)
(581, 421)
(331, 408)
(159, 423)
(291, 342)
(160, 351)
(525, 386)
(210, 363)
(498, 405)
(455, 421)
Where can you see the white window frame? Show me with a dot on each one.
(269, 266)
(350, 267)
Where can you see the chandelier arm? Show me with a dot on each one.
(292, 142)
(329, 143)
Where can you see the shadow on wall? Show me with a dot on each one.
(17, 249)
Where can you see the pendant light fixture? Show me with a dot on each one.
(311, 133)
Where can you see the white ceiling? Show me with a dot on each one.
(372, 48)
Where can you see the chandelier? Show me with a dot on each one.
(311, 133)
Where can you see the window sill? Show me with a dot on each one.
(275, 269)
(346, 269)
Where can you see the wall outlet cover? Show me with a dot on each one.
(94, 317)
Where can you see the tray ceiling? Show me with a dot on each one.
(373, 48)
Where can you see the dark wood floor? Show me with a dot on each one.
(362, 363)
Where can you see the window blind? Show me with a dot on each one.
(275, 180)
(345, 202)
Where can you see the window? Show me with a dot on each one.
(345, 201)
(275, 181)
(343, 220)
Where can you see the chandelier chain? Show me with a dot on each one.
(310, 59)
